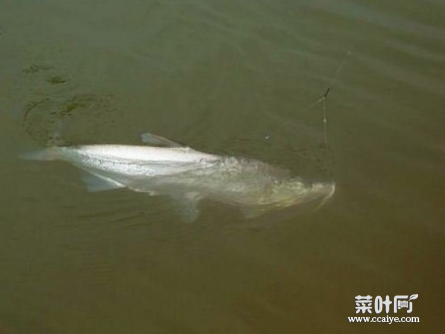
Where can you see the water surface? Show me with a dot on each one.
(227, 77)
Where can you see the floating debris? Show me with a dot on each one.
(56, 80)
(37, 68)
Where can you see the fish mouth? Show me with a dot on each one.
(327, 190)
(317, 193)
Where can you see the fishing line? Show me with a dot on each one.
(323, 98)
(325, 139)
(332, 83)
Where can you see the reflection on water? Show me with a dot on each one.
(230, 78)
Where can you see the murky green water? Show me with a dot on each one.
(222, 76)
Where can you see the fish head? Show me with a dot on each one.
(294, 192)
(288, 195)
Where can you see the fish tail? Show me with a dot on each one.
(46, 154)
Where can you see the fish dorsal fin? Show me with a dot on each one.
(188, 206)
(154, 140)
(96, 183)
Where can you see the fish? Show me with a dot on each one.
(163, 167)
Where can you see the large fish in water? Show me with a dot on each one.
(189, 176)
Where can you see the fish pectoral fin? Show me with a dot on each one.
(96, 183)
(153, 140)
(188, 206)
